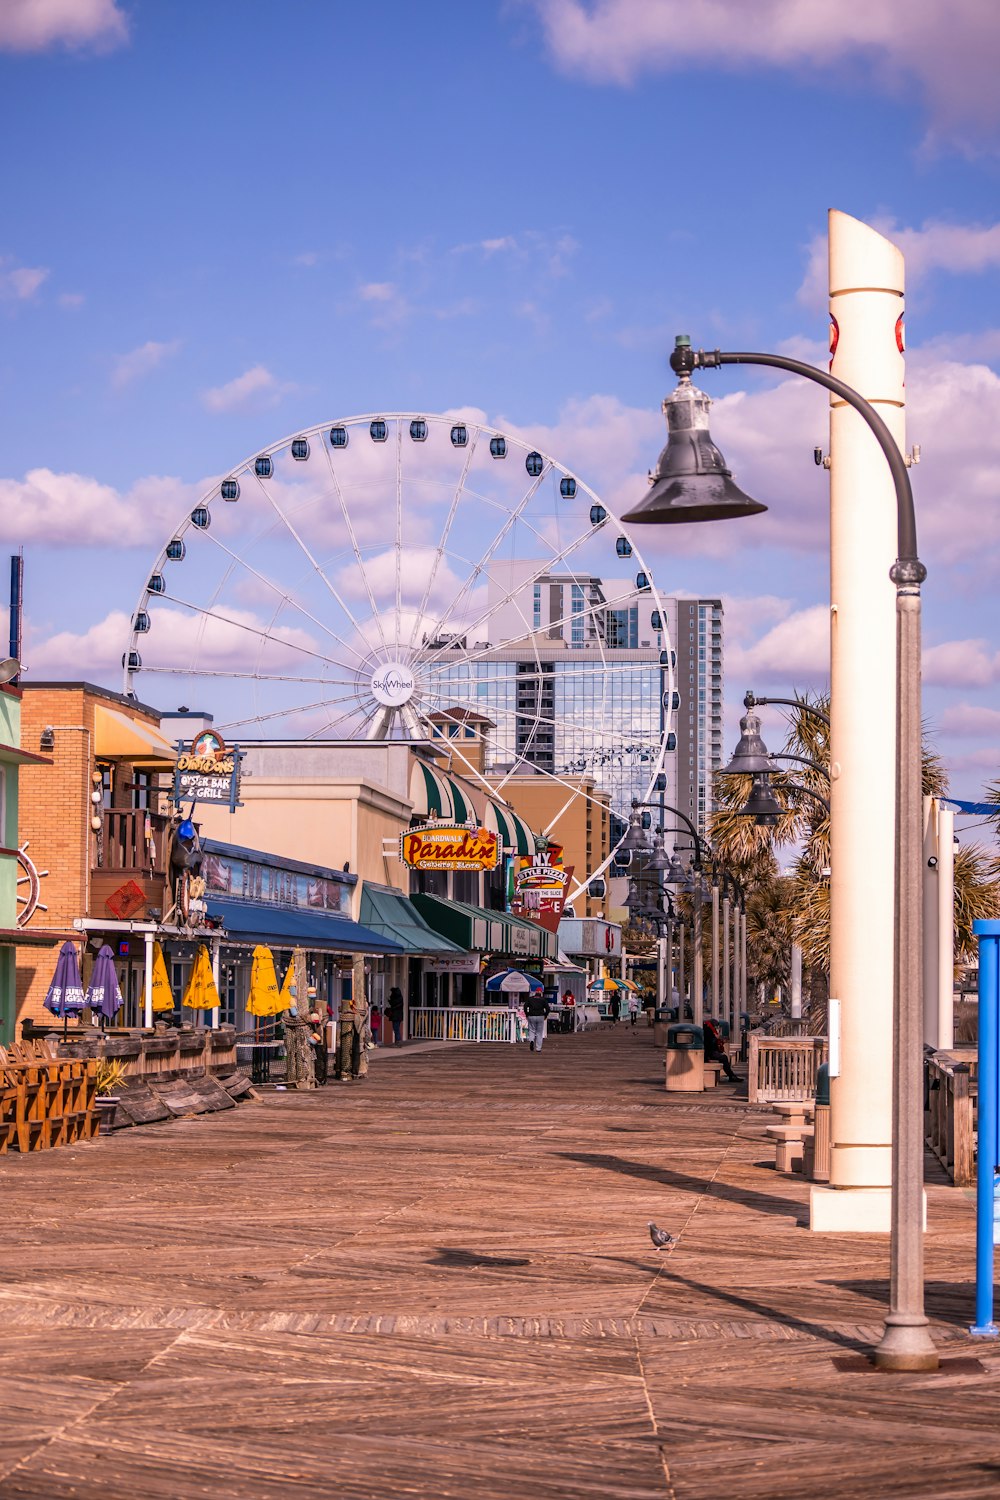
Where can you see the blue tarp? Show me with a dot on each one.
(978, 809)
(278, 926)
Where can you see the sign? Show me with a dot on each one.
(207, 772)
(392, 684)
(246, 880)
(126, 901)
(541, 883)
(590, 937)
(449, 846)
(458, 963)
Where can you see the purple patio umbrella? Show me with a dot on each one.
(103, 993)
(65, 996)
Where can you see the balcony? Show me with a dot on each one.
(131, 846)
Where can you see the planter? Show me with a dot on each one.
(105, 1106)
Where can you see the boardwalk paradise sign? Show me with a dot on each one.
(450, 846)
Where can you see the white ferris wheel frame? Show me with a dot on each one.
(385, 652)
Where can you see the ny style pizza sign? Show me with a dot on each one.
(447, 846)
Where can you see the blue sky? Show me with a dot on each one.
(227, 222)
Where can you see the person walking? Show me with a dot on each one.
(633, 1006)
(396, 1010)
(615, 1007)
(536, 1008)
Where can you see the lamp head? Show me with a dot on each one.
(751, 754)
(691, 481)
(762, 805)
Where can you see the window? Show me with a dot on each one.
(536, 606)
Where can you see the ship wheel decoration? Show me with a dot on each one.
(29, 886)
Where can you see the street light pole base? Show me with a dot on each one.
(906, 1345)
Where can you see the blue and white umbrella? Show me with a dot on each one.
(515, 982)
(103, 993)
(65, 996)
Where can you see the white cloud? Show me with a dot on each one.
(36, 25)
(951, 51)
(76, 510)
(19, 283)
(389, 306)
(255, 388)
(377, 291)
(71, 300)
(176, 638)
(138, 362)
(970, 721)
(796, 650)
(970, 663)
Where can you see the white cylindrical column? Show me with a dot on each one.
(930, 929)
(147, 977)
(866, 303)
(796, 982)
(944, 989)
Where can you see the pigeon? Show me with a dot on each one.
(661, 1239)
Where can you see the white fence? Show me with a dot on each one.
(439, 1024)
(783, 1067)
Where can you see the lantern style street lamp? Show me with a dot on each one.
(692, 483)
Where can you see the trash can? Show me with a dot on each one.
(685, 1059)
(661, 1019)
(821, 1127)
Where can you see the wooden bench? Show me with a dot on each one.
(713, 1071)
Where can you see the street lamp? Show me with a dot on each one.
(691, 483)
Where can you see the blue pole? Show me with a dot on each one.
(988, 934)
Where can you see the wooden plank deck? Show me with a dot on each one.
(439, 1283)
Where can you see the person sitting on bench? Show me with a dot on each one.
(715, 1048)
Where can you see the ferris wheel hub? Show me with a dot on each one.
(392, 684)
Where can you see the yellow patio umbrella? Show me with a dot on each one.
(201, 993)
(264, 997)
(163, 998)
(288, 995)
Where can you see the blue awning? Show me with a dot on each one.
(282, 927)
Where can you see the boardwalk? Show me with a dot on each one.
(439, 1283)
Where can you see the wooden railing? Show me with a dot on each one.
(45, 1101)
(438, 1024)
(131, 843)
(783, 1067)
(950, 1115)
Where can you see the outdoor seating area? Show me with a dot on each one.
(45, 1100)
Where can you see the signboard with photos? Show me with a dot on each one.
(540, 886)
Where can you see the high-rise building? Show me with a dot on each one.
(578, 687)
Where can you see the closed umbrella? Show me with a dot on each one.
(201, 993)
(103, 993)
(163, 995)
(514, 982)
(265, 999)
(65, 995)
(289, 989)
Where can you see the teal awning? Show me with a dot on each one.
(393, 915)
(472, 927)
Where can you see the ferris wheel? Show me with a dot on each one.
(407, 576)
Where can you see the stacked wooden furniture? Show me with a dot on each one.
(45, 1100)
(952, 1079)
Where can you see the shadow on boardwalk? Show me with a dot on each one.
(441, 1284)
